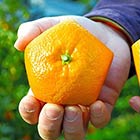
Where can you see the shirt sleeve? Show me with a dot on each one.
(122, 14)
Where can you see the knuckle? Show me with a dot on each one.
(70, 130)
(73, 130)
(47, 132)
(74, 136)
(23, 25)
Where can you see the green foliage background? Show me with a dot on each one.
(13, 86)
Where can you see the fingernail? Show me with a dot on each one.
(71, 114)
(20, 44)
(29, 108)
(53, 112)
(97, 110)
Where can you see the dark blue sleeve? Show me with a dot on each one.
(124, 14)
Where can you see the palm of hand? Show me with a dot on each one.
(74, 119)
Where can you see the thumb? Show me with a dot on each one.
(29, 30)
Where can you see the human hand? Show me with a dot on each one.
(73, 120)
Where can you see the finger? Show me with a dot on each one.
(29, 30)
(135, 103)
(73, 123)
(50, 119)
(85, 116)
(100, 113)
(109, 95)
(29, 108)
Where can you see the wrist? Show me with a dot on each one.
(115, 26)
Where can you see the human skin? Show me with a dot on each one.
(73, 120)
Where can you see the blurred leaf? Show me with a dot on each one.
(11, 12)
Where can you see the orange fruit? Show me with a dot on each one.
(136, 56)
(67, 65)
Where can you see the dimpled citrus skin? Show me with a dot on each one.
(136, 56)
(77, 82)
